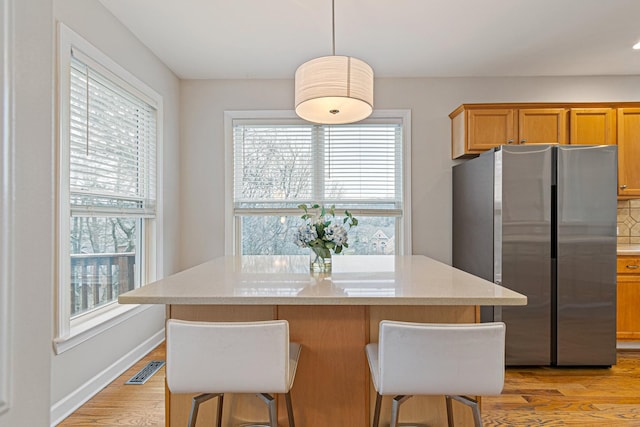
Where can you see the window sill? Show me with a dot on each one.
(96, 325)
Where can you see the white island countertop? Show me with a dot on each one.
(355, 280)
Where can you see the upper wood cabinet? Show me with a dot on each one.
(542, 126)
(629, 152)
(477, 128)
(487, 128)
(595, 126)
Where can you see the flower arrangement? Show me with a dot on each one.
(321, 234)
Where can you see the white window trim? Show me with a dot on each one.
(6, 201)
(67, 335)
(230, 236)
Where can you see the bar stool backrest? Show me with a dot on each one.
(228, 357)
(441, 359)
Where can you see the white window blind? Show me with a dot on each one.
(112, 147)
(362, 163)
(356, 165)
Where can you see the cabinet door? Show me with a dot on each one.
(628, 315)
(488, 128)
(592, 126)
(629, 152)
(542, 126)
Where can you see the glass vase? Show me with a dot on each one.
(319, 264)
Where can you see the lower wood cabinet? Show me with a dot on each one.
(628, 312)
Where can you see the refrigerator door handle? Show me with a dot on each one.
(497, 313)
(497, 309)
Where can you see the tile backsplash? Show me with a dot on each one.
(629, 221)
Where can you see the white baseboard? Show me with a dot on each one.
(628, 345)
(67, 405)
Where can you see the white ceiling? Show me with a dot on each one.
(219, 39)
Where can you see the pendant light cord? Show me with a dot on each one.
(333, 26)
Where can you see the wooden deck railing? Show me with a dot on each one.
(98, 279)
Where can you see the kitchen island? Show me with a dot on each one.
(332, 316)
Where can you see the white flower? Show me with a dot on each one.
(306, 234)
(336, 233)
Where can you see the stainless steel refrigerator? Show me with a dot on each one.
(541, 220)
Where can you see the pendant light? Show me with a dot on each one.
(334, 89)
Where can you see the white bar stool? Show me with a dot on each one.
(455, 360)
(213, 358)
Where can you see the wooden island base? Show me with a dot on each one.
(332, 385)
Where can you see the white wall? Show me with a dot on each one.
(41, 380)
(27, 166)
(431, 100)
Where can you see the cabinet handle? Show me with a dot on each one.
(633, 267)
(522, 141)
(510, 141)
(623, 186)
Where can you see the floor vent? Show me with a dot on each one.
(145, 373)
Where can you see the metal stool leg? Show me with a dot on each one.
(287, 398)
(376, 411)
(449, 411)
(473, 404)
(195, 405)
(395, 409)
(271, 403)
(220, 406)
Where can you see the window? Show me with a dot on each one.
(279, 162)
(108, 204)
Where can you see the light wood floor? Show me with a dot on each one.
(569, 396)
(126, 405)
(531, 397)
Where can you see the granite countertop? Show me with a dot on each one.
(356, 280)
(629, 249)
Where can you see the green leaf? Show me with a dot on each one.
(338, 249)
(321, 251)
(317, 245)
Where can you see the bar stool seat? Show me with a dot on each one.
(454, 360)
(214, 358)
